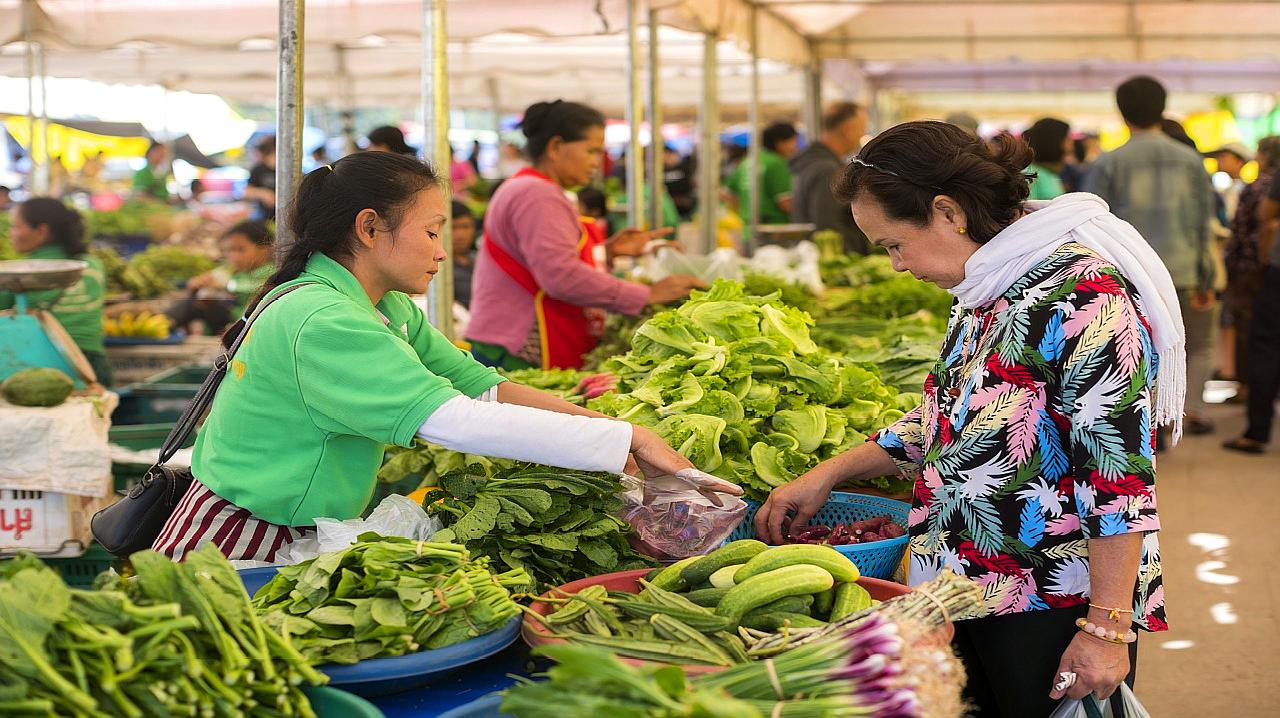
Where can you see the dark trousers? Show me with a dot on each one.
(215, 313)
(1263, 359)
(1012, 661)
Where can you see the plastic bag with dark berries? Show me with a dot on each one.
(674, 517)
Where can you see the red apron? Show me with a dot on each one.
(565, 330)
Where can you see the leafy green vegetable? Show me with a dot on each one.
(558, 525)
(178, 640)
(387, 596)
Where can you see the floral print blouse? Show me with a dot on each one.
(1035, 435)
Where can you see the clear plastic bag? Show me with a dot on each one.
(396, 516)
(672, 518)
(1090, 707)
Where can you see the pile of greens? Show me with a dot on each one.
(736, 383)
(616, 338)
(903, 350)
(135, 217)
(6, 249)
(560, 382)
(386, 596)
(153, 272)
(178, 640)
(557, 524)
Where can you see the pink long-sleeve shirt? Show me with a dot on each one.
(533, 220)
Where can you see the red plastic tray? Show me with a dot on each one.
(535, 634)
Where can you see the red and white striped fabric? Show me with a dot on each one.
(203, 516)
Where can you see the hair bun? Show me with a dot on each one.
(535, 117)
(1011, 153)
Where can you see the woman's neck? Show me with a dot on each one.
(372, 287)
(548, 169)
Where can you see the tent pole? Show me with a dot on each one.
(46, 167)
(436, 148)
(754, 172)
(709, 146)
(813, 94)
(635, 115)
(657, 187)
(29, 60)
(289, 119)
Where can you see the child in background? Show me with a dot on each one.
(219, 297)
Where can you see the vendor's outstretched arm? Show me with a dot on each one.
(510, 392)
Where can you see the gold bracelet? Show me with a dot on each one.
(1113, 614)
(1102, 634)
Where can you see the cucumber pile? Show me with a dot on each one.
(706, 610)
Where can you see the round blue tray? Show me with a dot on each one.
(384, 676)
(487, 707)
(177, 337)
(878, 559)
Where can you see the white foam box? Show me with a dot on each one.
(46, 523)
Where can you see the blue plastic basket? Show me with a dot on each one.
(878, 559)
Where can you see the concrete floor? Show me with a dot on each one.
(1220, 529)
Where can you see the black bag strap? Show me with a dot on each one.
(204, 397)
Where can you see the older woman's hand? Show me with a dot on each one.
(1099, 666)
(792, 504)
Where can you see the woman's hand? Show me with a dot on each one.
(1099, 666)
(632, 242)
(673, 288)
(654, 456)
(800, 499)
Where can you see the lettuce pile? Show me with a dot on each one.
(735, 382)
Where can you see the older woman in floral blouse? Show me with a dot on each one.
(1033, 448)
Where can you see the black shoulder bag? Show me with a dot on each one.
(135, 521)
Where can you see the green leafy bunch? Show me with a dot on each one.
(736, 383)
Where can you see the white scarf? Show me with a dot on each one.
(1086, 219)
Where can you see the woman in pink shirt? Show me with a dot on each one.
(536, 285)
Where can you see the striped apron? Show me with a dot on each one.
(203, 517)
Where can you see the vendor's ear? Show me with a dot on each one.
(554, 145)
(366, 226)
(949, 212)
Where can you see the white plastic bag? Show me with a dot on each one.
(396, 516)
(1089, 707)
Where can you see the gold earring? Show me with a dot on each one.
(961, 230)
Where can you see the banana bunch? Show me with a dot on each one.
(146, 325)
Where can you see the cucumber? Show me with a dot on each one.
(654, 573)
(790, 604)
(767, 587)
(669, 579)
(727, 555)
(825, 557)
(724, 577)
(781, 619)
(822, 604)
(850, 598)
(708, 597)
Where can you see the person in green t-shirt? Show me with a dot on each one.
(153, 180)
(44, 228)
(778, 143)
(1050, 139)
(220, 296)
(345, 364)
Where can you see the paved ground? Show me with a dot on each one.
(1220, 516)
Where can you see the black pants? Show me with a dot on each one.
(1012, 661)
(1263, 360)
(215, 313)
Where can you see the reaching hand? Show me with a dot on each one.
(799, 500)
(673, 288)
(632, 242)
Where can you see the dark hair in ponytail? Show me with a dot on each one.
(323, 213)
(66, 227)
(544, 121)
(906, 166)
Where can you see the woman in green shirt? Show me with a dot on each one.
(44, 228)
(220, 296)
(1050, 139)
(346, 364)
(778, 143)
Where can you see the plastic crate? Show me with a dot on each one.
(137, 437)
(161, 398)
(79, 572)
(878, 559)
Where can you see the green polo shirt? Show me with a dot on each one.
(79, 310)
(318, 389)
(775, 182)
(147, 182)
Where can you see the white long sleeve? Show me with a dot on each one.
(511, 431)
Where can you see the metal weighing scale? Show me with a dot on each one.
(29, 334)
